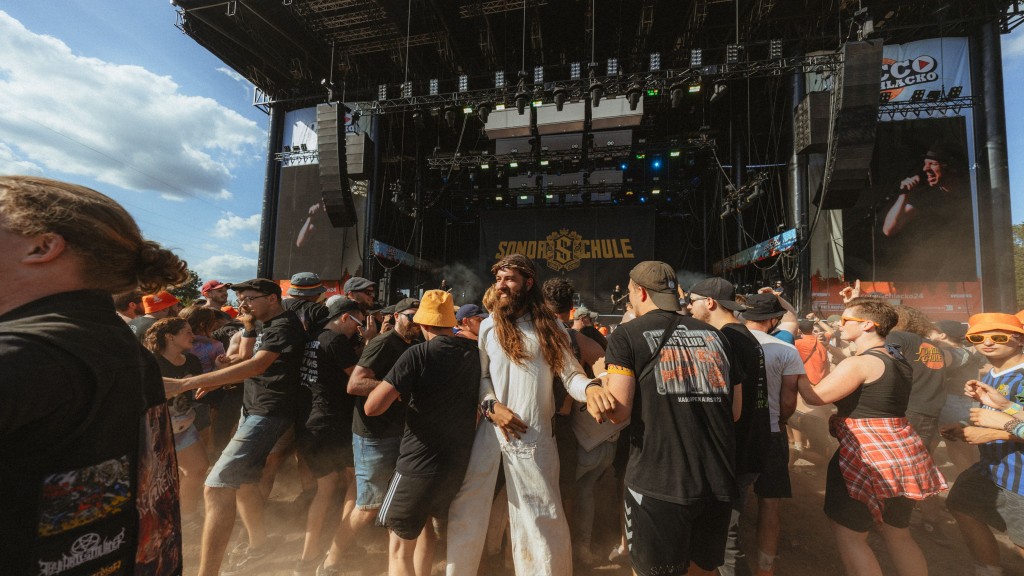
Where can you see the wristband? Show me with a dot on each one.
(1010, 426)
(1014, 408)
(487, 408)
(248, 333)
(594, 382)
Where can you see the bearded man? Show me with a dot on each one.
(523, 347)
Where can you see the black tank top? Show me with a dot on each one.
(885, 397)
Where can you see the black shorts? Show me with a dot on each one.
(976, 495)
(325, 450)
(666, 537)
(412, 500)
(927, 428)
(773, 481)
(842, 509)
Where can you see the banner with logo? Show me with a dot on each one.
(933, 69)
(594, 248)
(937, 300)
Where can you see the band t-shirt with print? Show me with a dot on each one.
(682, 441)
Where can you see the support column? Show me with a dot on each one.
(995, 223)
(372, 193)
(271, 195)
(796, 186)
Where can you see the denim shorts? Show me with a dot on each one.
(374, 460)
(243, 458)
(186, 438)
(976, 495)
(956, 409)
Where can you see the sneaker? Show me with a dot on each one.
(323, 570)
(244, 562)
(306, 567)
(618, 554)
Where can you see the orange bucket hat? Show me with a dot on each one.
(988, 321)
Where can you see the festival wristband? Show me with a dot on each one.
(248, 333)
(1014, 408)
(1011, 426)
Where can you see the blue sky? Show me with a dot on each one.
(111, 95)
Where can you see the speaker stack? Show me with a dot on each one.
(334, 187)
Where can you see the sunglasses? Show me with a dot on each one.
(996, 338)
(409, 317)
(844, 319)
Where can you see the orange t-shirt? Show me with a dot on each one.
(814, 356)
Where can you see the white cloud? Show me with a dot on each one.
(10, 163)
(117, 124)
(1013, 45)
(232, 74)
(253, 247)
(226, 268)
(227, 226)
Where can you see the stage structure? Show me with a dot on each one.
(765, 140)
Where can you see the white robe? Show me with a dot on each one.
(540, 534)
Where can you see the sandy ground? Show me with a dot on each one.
(806, 547)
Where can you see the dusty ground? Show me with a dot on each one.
(806, 547)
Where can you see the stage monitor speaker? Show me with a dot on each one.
(334, 187)
(854, 126)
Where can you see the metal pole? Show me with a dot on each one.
(372, 192)
(797, 188)
(271, 195)
(995, 230)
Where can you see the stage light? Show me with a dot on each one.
(656, 164)
(499, 79)
(917, 96)
(521, 101)
(674, 153)
(934, 95)
(498, 198)
(655, 61)
(641, 156)
(433, 87)
(406, 89)
(513, 164)
(623, 166)
(303, 147)
(613, 66)
(884, 97)
(549, 196)
(499, 107)
(675, 94)
(450, 117)
(596, 92)
(574, 71)
(484, 110)
(537, 102)
(733, 53)
(775, 50)
(561, 95)
(656, 191)
(538, 74)
(643, 199)
(463, 83)
(633, 94)
(629, 192)
(693, 88)
(485, 166)
(524, 197)
(544, 162)
(955, 92)
(382, 92)
(696, 58)
(467, 110)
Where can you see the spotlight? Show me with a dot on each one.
(499, 79)
(574, 71)
(733, 53)
(382, 92)
(655, 61)
(538, 75)
(561, 95)
(406, 89)
(522, 99)
(463, 83)
(934, 95)
(656, 164)
(955, 92)
(675, 94)
(696, 58)
(613, 66)
(596, 92)
(433, 87)
(775, 50)
(484, 110)
(917, 96)
(633, 94)
(884, 97)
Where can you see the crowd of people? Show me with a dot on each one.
(129, 418)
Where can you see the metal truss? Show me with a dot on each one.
(1012, 17)
(941, 106)
(496, 7)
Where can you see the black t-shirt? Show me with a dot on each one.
(927, 395)
(380, 356)
(682, 439)
(140, 324)
(180, 406)
(323, 372)
(276, 391)
(595, 335)
(753, 429)
(225, 332)
(439, 381)
(313, 315)
(90, 480)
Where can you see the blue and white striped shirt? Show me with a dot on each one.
(1005, 459)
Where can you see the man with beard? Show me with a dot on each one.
(523, 347)
(216, 294)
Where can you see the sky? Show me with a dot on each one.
(112, 96)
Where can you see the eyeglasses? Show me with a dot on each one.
(410, 317)
(995, 338)
(247, 299)
(692, 299)
(844, 319)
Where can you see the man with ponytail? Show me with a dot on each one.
(90, 484)
(523, 347)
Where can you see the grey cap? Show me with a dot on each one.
(720, 290)
(306, 284)
(357, 284)
(341, 306)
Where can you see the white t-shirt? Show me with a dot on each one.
(780, 359)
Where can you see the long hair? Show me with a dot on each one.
(203, 320)
(552, 339)
(913, 320)
(155, 341)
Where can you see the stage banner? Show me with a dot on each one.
(934, 68)
(937, 300)
(594, 248)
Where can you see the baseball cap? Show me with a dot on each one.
(341, 306)
(987, 321)
(952, 329)
(306, 284)
(720, 290)
(230, 311)
(157, 302)
(406, 304)
(357, 284)
(213, 285)
(470, 311)
(763, 306)
(261, 285)
(436, 309)
(659, 279)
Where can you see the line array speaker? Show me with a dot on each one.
(334, 187)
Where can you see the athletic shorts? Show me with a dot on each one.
(326, 450)
(976, 495)
(244, 457)
(773, 481)
(412, 500)
(842, 509)
(374, 460)
(666, 537)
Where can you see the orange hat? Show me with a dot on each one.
(157, 302)
(987, 321)
(231, 311)
(436, 309)
(1020, 316)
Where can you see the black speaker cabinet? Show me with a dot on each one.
(334, 186)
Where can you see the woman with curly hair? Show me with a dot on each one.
(170, 340)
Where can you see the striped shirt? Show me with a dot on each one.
(1005, 459)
